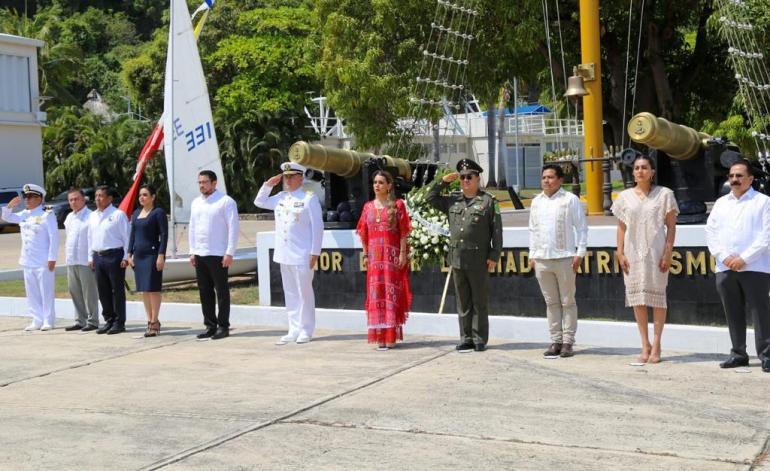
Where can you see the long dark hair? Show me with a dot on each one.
(391, 194)
(649, 161)
(151, 190)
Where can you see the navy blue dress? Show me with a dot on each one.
(149, 236)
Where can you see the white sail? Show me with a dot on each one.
(190, 143)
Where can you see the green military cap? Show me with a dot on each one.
(466, 166)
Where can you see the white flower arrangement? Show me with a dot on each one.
(427, 246)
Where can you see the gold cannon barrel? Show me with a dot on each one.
(342, 162)
(679, 142)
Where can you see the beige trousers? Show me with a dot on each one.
(557, 283)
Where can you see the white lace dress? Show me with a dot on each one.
(645, 241)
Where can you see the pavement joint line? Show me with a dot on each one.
(758, 422)
(763, 457)
(128, 413)
(215, 442)
(637, 451)
(92, 362)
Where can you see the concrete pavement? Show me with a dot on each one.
(84, 401)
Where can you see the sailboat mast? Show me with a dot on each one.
(170, 171)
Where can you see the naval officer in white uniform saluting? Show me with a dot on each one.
(39, 247)
(299, 229)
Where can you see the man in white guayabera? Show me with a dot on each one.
(557, 243)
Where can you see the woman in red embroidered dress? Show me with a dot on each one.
(383, 227)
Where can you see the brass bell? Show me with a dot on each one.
(575, 87)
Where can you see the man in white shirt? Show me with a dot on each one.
(80, 278)
(213, 237)
(738, 236)
(299, 231)
(108, 257)
(39, 247)
(557, 244)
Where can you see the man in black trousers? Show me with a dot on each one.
(213, 236)
(738, 236)
(108, 257)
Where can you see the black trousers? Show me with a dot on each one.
(745, 293)
(111, 284)
(211, 276)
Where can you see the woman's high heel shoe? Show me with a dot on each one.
(147, 330)
(154, 329)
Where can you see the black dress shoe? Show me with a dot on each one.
(89, 328)
(465, 347)
(73, 327)
(207, 334)
(734, 362)
(479, 347)
(116, 329)
(105, 328)
(221, 333)
(766, 365)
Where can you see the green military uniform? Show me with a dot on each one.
(476, 235)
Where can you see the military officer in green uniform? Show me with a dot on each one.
(475, 241)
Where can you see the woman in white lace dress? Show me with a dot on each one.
(646, 228)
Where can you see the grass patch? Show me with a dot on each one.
(243, 290)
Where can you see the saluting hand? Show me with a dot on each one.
(274, 180)
(14, 202)
(450, 177)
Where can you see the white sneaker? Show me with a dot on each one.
(303, 339)
(46, 327)
(31, 327)
(286, 339)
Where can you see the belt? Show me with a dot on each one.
(107, 251)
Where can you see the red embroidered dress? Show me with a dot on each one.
(388, 296)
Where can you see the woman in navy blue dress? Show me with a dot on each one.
(147, 254)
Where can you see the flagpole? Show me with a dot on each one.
(170, 171)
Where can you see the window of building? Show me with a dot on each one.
(15, 94)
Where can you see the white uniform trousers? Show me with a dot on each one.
(39, 283)
(300, 299)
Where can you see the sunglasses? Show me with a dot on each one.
(467, 177)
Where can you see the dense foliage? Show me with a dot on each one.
(263, 60)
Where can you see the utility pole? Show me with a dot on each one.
(592, 102)
(492, 181)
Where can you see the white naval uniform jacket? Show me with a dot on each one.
(299, 226)
(39, 236)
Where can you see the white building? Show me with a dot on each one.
(465, 136)
(21, 122)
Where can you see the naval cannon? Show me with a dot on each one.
(347, 178)
(692, 164)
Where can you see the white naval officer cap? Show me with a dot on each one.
(32, 189)
(291, 168)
